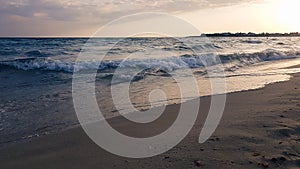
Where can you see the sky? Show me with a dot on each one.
(83, 18)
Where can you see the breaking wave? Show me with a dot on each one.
(166, 64)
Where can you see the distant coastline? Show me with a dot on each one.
(251, 34)
(223, 34)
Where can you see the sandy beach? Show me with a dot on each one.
(260, 129)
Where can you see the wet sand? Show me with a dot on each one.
(259, 129)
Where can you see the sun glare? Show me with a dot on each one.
(287, 14)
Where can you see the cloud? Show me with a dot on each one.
(26, 13)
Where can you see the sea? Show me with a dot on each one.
(36, 74)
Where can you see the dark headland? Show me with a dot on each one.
(251, 34)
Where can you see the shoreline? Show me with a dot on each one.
(33, 136)
(53, 100)
(259, 128)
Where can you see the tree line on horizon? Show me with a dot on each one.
(251, 34)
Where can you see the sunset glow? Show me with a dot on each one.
(287, 14)
(62, 18)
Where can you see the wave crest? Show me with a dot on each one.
(165, 64)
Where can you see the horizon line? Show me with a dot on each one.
(215, 33)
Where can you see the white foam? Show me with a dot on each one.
(167, 64)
